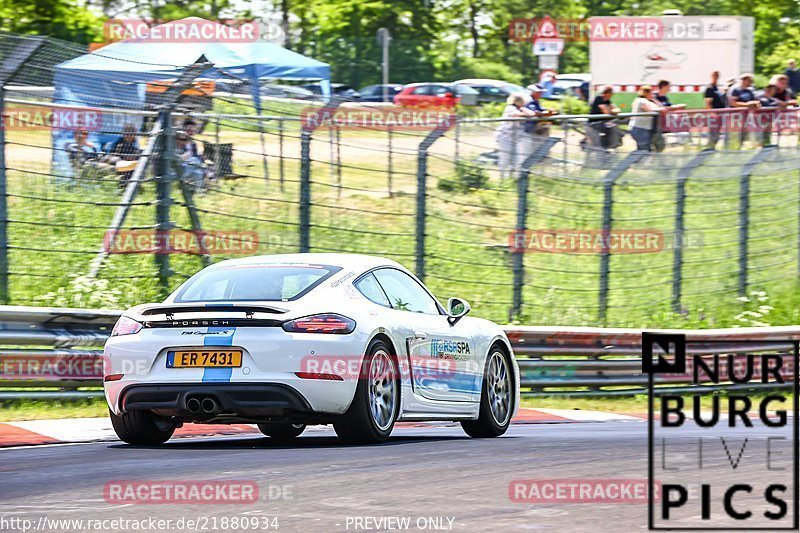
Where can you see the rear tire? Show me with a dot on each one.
(371, 417)
(142, 427)
(283, 433)
(497, 398)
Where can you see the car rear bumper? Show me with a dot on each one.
(229, 400)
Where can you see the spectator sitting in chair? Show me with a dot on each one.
(193, 167)
(663, 99)
(83, 154)
(123, 154)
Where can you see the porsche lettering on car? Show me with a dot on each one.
(288, 341)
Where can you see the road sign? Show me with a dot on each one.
(548, 62)
(548, 47)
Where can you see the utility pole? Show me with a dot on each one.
(384, 38)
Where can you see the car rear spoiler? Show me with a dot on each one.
(212, 308)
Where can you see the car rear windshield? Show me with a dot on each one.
(254, 282)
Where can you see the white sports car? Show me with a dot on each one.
(286, 341)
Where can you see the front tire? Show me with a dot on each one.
(283, 433)
(497, 398)
(142, 428)
(371, 416)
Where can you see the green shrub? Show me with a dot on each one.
(468, 177)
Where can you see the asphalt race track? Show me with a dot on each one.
(430, 475)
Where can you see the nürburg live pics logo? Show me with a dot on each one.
(722, 432)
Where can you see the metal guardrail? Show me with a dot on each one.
(52, 352)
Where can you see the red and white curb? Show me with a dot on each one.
(76, 430)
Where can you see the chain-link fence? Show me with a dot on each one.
(567, 223)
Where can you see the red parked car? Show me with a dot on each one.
(436, 95)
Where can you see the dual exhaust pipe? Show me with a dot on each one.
(202, 405)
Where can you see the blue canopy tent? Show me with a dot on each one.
(116, 75)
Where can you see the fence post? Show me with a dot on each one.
(304, 209)
(166, 175)
(457, 156)
(280, 148)
(390, 162)
(744, 213)
(12, 63)
(680, 225)
(422, 174)
(608, 207)
(517, 262)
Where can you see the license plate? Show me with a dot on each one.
(204, 358)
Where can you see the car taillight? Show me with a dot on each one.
(326, 323)
(126, 326)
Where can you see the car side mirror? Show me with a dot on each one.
(456, 309)
(448, 95)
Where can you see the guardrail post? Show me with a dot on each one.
(608, 206)
(12, 64)
(422, 175)
(680, 225)
(166, 175)
(517, 257)
(304, 209)
(744, 214)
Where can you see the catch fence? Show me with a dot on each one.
(577, 234)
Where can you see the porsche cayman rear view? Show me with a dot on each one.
(287, 341)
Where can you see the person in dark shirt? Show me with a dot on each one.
(663, 99)
(742, 94)
(604, 133)
(767, 96)
(783, 93)
(124, 149)
(714, 96)
(794, 76)
(601, 105)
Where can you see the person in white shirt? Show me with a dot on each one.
(642, 127)
(509, 135)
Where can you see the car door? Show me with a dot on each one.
(442, 358)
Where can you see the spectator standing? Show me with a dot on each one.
(715, 98)
(601, 105)
(767, 96)
(662, 96)
(509, 133)
(743, 93)
(794, 76)
(642, 127)
(607, 131)
(783, 93)
(535, 130)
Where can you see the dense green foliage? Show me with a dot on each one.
(432, 39)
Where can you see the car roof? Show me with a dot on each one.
(348, 261)
(484, 81)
